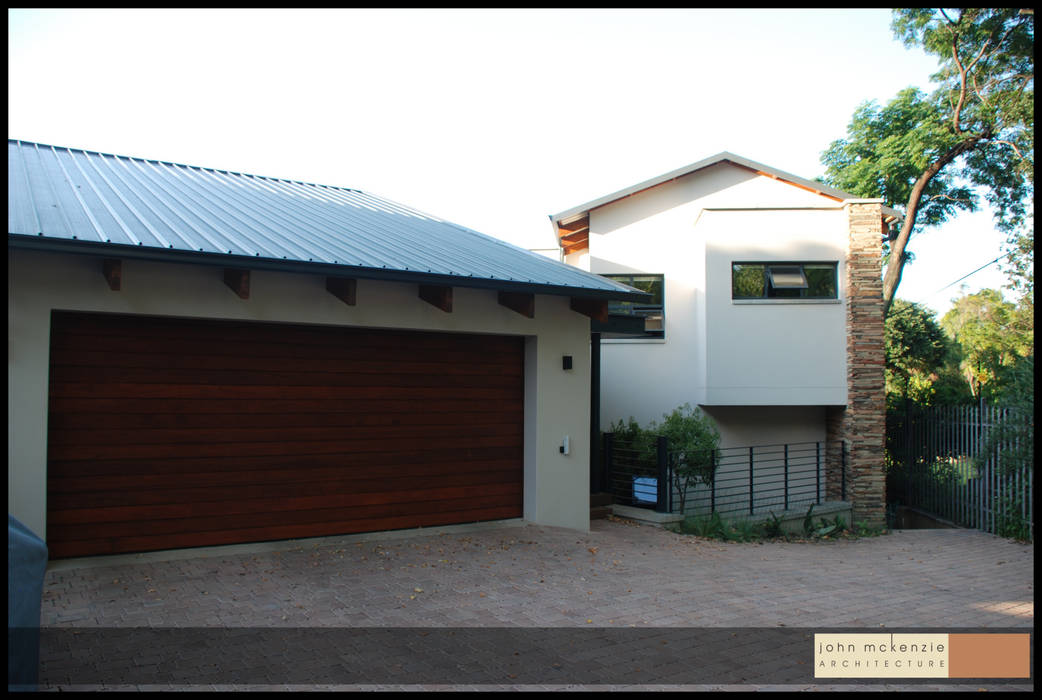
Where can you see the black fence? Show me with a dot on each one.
(972, 465)
(747, 481)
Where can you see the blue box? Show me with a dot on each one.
(645, 489)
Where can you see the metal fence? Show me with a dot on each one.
(748, 481)
(972, 465)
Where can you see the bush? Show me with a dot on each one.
(693, 439)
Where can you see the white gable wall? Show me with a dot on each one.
(717, 352)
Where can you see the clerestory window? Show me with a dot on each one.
(652, 310)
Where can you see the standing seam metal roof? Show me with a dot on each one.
(73, 198)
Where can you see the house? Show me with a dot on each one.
(766, 309)
(202, 357)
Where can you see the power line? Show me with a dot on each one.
(966, 275)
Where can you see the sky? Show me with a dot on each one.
(493, 119)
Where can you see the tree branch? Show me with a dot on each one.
(956, 116)
(892, 278)
(947, 197)
(1013, 146)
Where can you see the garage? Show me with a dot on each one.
(200, 357)
(170, 432)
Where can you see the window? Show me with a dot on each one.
(761, 280)
(652, 310)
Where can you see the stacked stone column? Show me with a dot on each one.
(862, 424)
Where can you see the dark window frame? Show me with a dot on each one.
(636, 308)
(783, 293)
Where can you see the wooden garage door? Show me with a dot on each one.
(168, 433)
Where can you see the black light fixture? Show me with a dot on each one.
(567, 361)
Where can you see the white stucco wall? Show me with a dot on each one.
(773, 352)
(748, 426)
(556, 487)
(717, 352)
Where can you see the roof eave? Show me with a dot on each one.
(79, 247)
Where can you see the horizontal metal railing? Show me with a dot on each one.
(749, 481)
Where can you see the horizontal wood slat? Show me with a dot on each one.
(266, 434)
(404, 461)
(178, 433)
(111, 545)
(166, 518)
(120, 375)
(85, 493)
(159, 406)
(353, 361)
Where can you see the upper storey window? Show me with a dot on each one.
(790, 280)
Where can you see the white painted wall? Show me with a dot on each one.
(556, 488)
(748, 426)
(773, 352)
(716, 352)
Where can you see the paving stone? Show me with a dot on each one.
(616, 576)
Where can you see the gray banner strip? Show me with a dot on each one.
(424, 655)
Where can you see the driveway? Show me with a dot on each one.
(618, 579)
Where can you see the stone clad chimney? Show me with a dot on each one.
(861, 424)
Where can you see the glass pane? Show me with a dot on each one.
(652, 284)
(821, 281)
(788, 277)
(747, 281)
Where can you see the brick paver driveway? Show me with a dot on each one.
(618, 575)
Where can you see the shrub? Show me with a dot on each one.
(693, 439)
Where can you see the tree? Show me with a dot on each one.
(933, 155)
(918, 358)
(993, 339)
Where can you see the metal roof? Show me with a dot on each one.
(812, 185)
(82, 201)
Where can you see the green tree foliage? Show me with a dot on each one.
(920, 358)
(993, 336)
(1020, 262)
(934, 154)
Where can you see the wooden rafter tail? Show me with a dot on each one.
(578, 247)
(597, 309)
(577, 225)
(343, 288)
(577, 237)
(520, 302)
(238, 281)
(113, 271)
(438, 296)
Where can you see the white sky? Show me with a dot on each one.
(493, 119)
